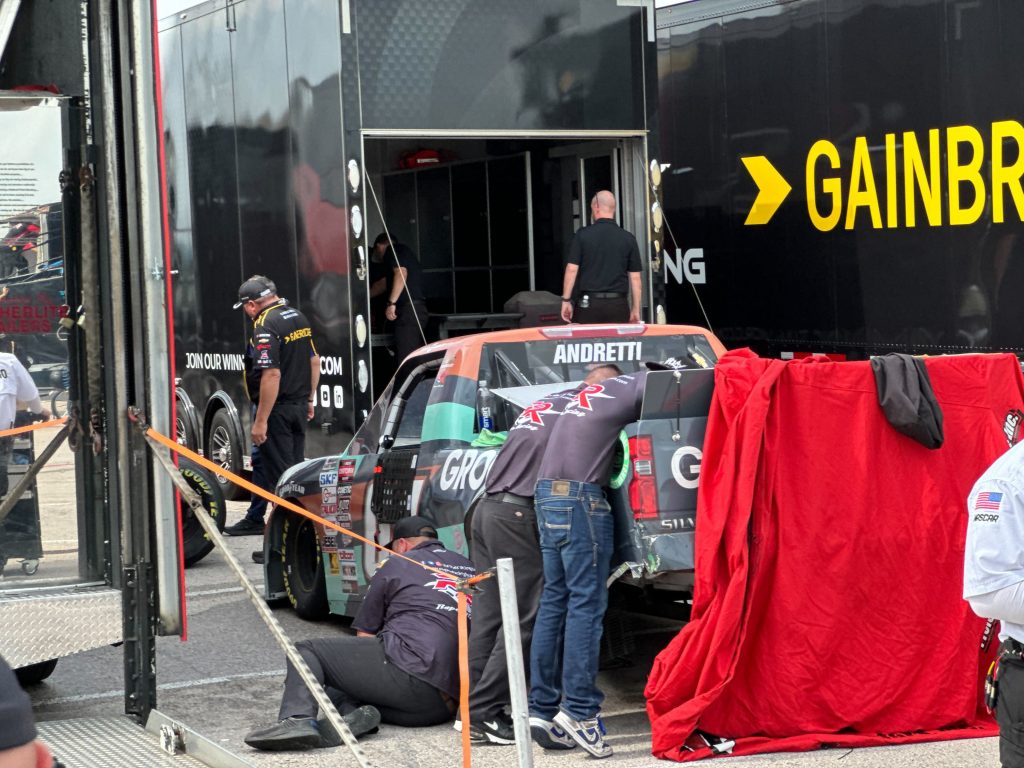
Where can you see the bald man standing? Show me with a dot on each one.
(602, 270)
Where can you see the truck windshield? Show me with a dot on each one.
(550, 361)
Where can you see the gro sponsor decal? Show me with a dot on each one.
(686, 466)
(464, 468)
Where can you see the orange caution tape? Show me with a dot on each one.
(32, 427)
(463, 597)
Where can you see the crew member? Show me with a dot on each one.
(602, 266)
(16, 386)
(406, 308)
(505, 525)
(994, 585)
(576, 543)
(402, 665)
(282, 369)
(19, 747)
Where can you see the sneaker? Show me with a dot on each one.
(245, 527)
(497, 730)
(549, 735)
(291, 733)
(586, 733)
(363, 721)
(257, 556)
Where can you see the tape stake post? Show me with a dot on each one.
(464, 676)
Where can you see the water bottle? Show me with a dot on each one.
(484, 407)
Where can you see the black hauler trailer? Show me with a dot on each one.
(475, 131)
(844, 176)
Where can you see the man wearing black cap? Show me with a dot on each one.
(577, 538)
(282, 369)
(402, 665)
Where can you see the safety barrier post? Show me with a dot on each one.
(514, 659)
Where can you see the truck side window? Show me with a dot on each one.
(410, 425)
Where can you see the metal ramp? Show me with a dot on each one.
(76, 618)
(117, 742)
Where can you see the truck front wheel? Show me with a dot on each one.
(304, 579)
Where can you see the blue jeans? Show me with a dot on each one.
(576, 542)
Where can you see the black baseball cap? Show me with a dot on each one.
(255, 288)
(411, 527)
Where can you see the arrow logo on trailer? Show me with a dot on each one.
(772, 189)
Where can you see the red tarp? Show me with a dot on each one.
(829, 565)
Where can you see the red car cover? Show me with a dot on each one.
(827, 608)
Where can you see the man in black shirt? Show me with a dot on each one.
(282, 369)
(405, 307)
(402, 665)
(602, 266)
(505, 525)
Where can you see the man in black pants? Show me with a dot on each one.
(406, 308)
(602, 266)
(504, 525)
(402, 665)
(282, 369)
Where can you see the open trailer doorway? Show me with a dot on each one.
(490, 217)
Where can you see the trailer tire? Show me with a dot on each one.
(195, 544)
(304, 580)
(222, 448)
(35, 673)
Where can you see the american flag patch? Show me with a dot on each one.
(988, 500)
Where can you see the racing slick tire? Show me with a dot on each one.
(195, 544)
(304, 580)
(35, 673)
(223, 448)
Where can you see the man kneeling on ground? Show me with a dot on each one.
(400, 668)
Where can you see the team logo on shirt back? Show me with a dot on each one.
(448, 587)
(585, 395)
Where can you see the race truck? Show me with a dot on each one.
(420, 452)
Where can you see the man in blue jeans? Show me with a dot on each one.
(577, 538)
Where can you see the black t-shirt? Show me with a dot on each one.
(605, 252)
(414, 273)
(582, 439)
(17, 727)
(281, 338)
(415, 614)
(516, 468)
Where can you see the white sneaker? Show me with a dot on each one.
(586, 733)
(549, 735)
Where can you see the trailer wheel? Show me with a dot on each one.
(304, 579)
(222, 448)
(195, 543)
(35, 673)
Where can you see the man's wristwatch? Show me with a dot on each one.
(392, 304)
(568, 301)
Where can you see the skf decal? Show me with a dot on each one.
(466, 467)
(598, 352)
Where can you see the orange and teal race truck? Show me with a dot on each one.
(416, 454)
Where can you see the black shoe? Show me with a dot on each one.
(494, 730)
(257, 556)
(245, 527)
(293, 733)
(363, 721)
